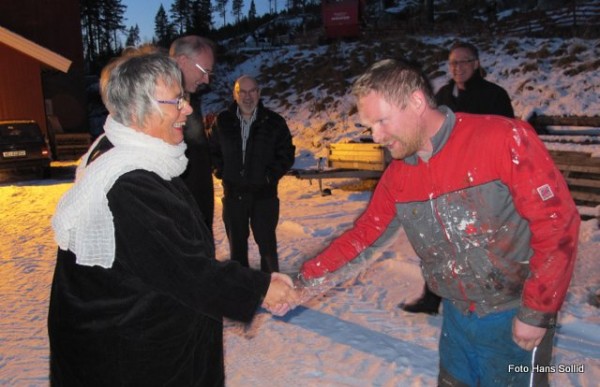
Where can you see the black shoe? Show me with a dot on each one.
(429, 303)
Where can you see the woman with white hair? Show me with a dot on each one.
(138, 296)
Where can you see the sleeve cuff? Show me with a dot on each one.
(537, 318)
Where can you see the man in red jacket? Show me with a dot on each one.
(466, 92)
(489, 215)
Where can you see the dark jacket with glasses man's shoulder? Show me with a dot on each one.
(479, 97)
(198, 175)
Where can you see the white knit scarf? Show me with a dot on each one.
(83, 222)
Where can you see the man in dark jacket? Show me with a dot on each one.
(195, 57)
(251, 149)
(466, 92)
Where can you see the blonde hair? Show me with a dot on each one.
(395, 81)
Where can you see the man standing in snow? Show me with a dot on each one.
(466, 92)
(487, 212)
(251, 149)
(195, 58)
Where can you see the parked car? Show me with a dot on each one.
(24, 147)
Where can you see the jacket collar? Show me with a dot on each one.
(441, 137)
(259, 108)
(474, 80)
(472, 83)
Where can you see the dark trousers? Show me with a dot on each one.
(241, 210)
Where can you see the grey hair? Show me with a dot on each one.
(472, 49)
(395, 81)
(246, 76)
(466, 45)
(190, 45)
(128, 85)
(242, 77)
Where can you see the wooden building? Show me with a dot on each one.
(21, 65)
(35, 80)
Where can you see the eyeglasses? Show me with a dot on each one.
(457, 63)
(208, 73)
(180, 102)
(244, 93)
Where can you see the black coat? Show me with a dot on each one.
(155, 317)
(198, 174)
(479, 97)
(269, 152)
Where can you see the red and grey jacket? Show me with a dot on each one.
(489, 214)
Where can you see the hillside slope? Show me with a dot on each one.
(309, 85)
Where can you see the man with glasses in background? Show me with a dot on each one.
(466, 92)
(195, 57)
(251, 149)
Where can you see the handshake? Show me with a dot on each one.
(281, 296)
(284, 294)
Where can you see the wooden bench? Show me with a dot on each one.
(545, 125)
(358, 155)
(580, 169)
(582, 173)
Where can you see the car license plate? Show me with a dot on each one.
(17, 153)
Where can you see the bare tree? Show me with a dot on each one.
(236, 9)
(163, 29)
(101, 21)
(221, 8)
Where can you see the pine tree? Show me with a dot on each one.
(236, 9)
(111, 17)
(90, 24)
(163, 29)
(221, 8)
(201, 17)
(252, 11)
(101, 22)
(297, 5)
(133, 37)
(181, 16)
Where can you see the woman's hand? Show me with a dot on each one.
(281, 296)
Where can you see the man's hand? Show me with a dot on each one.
(527, 336)
(281, 296)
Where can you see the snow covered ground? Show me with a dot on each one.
(354, 334)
